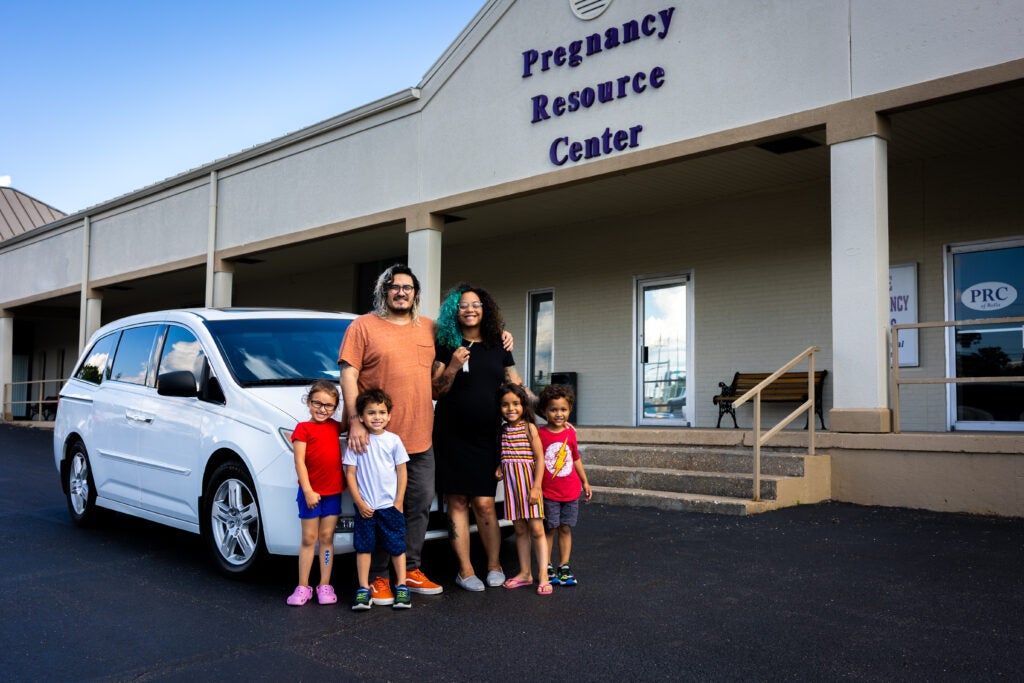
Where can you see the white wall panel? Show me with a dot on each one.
(896, 44)
(152, 234)
(726, 65)
(42, 265)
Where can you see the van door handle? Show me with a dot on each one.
(137, 417)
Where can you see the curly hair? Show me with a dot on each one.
(380, 290)
(447, 330)
(524, 398)
(553, 391)
(372, 396)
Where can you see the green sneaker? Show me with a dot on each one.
(565, 576)
(552, 576)
(362, 600)
(403, 597)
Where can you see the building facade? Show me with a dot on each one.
(659, 194)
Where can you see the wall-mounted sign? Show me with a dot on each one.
(903, 309)
(989, 296)
(589, 9)
(605, 90)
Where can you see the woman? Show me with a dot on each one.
(470, 365)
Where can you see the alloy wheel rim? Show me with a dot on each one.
(235, 522)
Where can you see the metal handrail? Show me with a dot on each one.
(7, 403)
(755, 393)
(895, 347)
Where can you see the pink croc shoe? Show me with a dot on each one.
(300, 596)
(325, 595)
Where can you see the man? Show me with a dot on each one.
(392, 349)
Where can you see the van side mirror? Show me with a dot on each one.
(178, 383)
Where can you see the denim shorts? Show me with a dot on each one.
(329, 506)
(557, 513)
(387, 526)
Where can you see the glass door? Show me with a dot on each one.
(663, 351)
(987, 282)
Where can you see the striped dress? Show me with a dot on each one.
(517, 465)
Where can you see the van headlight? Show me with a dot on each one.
(286, 434)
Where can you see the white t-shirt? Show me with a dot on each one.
(375, 469)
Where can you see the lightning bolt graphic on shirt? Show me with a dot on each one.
(560, 457)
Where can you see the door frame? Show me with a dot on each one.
(640, 283)
(949, 294)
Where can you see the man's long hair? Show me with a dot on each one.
(386, 279)
(447, 330)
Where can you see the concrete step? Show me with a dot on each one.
(680, 502)
(776, 462)
(722, 484)
(718, 480)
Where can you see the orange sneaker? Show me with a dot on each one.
(380, 591)
(418, 582)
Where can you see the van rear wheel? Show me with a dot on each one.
(79, 486)
(231, 520)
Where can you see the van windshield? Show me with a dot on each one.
(279, 352)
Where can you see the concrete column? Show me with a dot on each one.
(6, 363)
(425, 232)
(223, 283)
(92, 320)
(860, 285)
(211, 246)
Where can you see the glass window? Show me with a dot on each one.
(280, 351)
(541, 338)
(988, 284)
(134, 353)
(182, 351)
(97, 362)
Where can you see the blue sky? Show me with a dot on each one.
(106, 97)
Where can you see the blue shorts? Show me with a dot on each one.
(329, 506)
(386, 525)
(557, 513)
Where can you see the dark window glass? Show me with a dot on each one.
(182, 351)
(542, 339)
(279, 352)
(97, 362)
(134, 353)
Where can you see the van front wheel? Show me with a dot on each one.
(231, 520)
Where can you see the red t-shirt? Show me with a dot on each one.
(561, 482)
(323, 455)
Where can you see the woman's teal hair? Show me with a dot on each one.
(446, 328)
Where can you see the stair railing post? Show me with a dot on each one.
(757, 446)
(814, 408)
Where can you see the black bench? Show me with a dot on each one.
(789, 387)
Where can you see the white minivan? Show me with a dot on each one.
(184, 418)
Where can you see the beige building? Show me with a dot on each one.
(660, 195)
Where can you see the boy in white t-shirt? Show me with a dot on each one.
(376, 479)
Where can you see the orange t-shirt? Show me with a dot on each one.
(398, 359)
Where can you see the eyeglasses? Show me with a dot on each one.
(400, 288)
(465, 305)
(317, 405)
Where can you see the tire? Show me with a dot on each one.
(232, 525)
(79, 486)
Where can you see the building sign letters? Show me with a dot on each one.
(545, 107)
(903, 309)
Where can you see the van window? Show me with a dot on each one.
(268, 352)
(97, 362)
(182, 351)
(134, 353)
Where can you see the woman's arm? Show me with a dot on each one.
(444, 375)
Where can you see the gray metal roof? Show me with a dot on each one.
(20, 213)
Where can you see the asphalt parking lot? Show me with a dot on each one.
(822, 592)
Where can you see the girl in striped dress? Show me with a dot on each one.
(522, 468)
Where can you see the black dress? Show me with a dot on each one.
(467, 422)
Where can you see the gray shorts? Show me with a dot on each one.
(557, 513)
